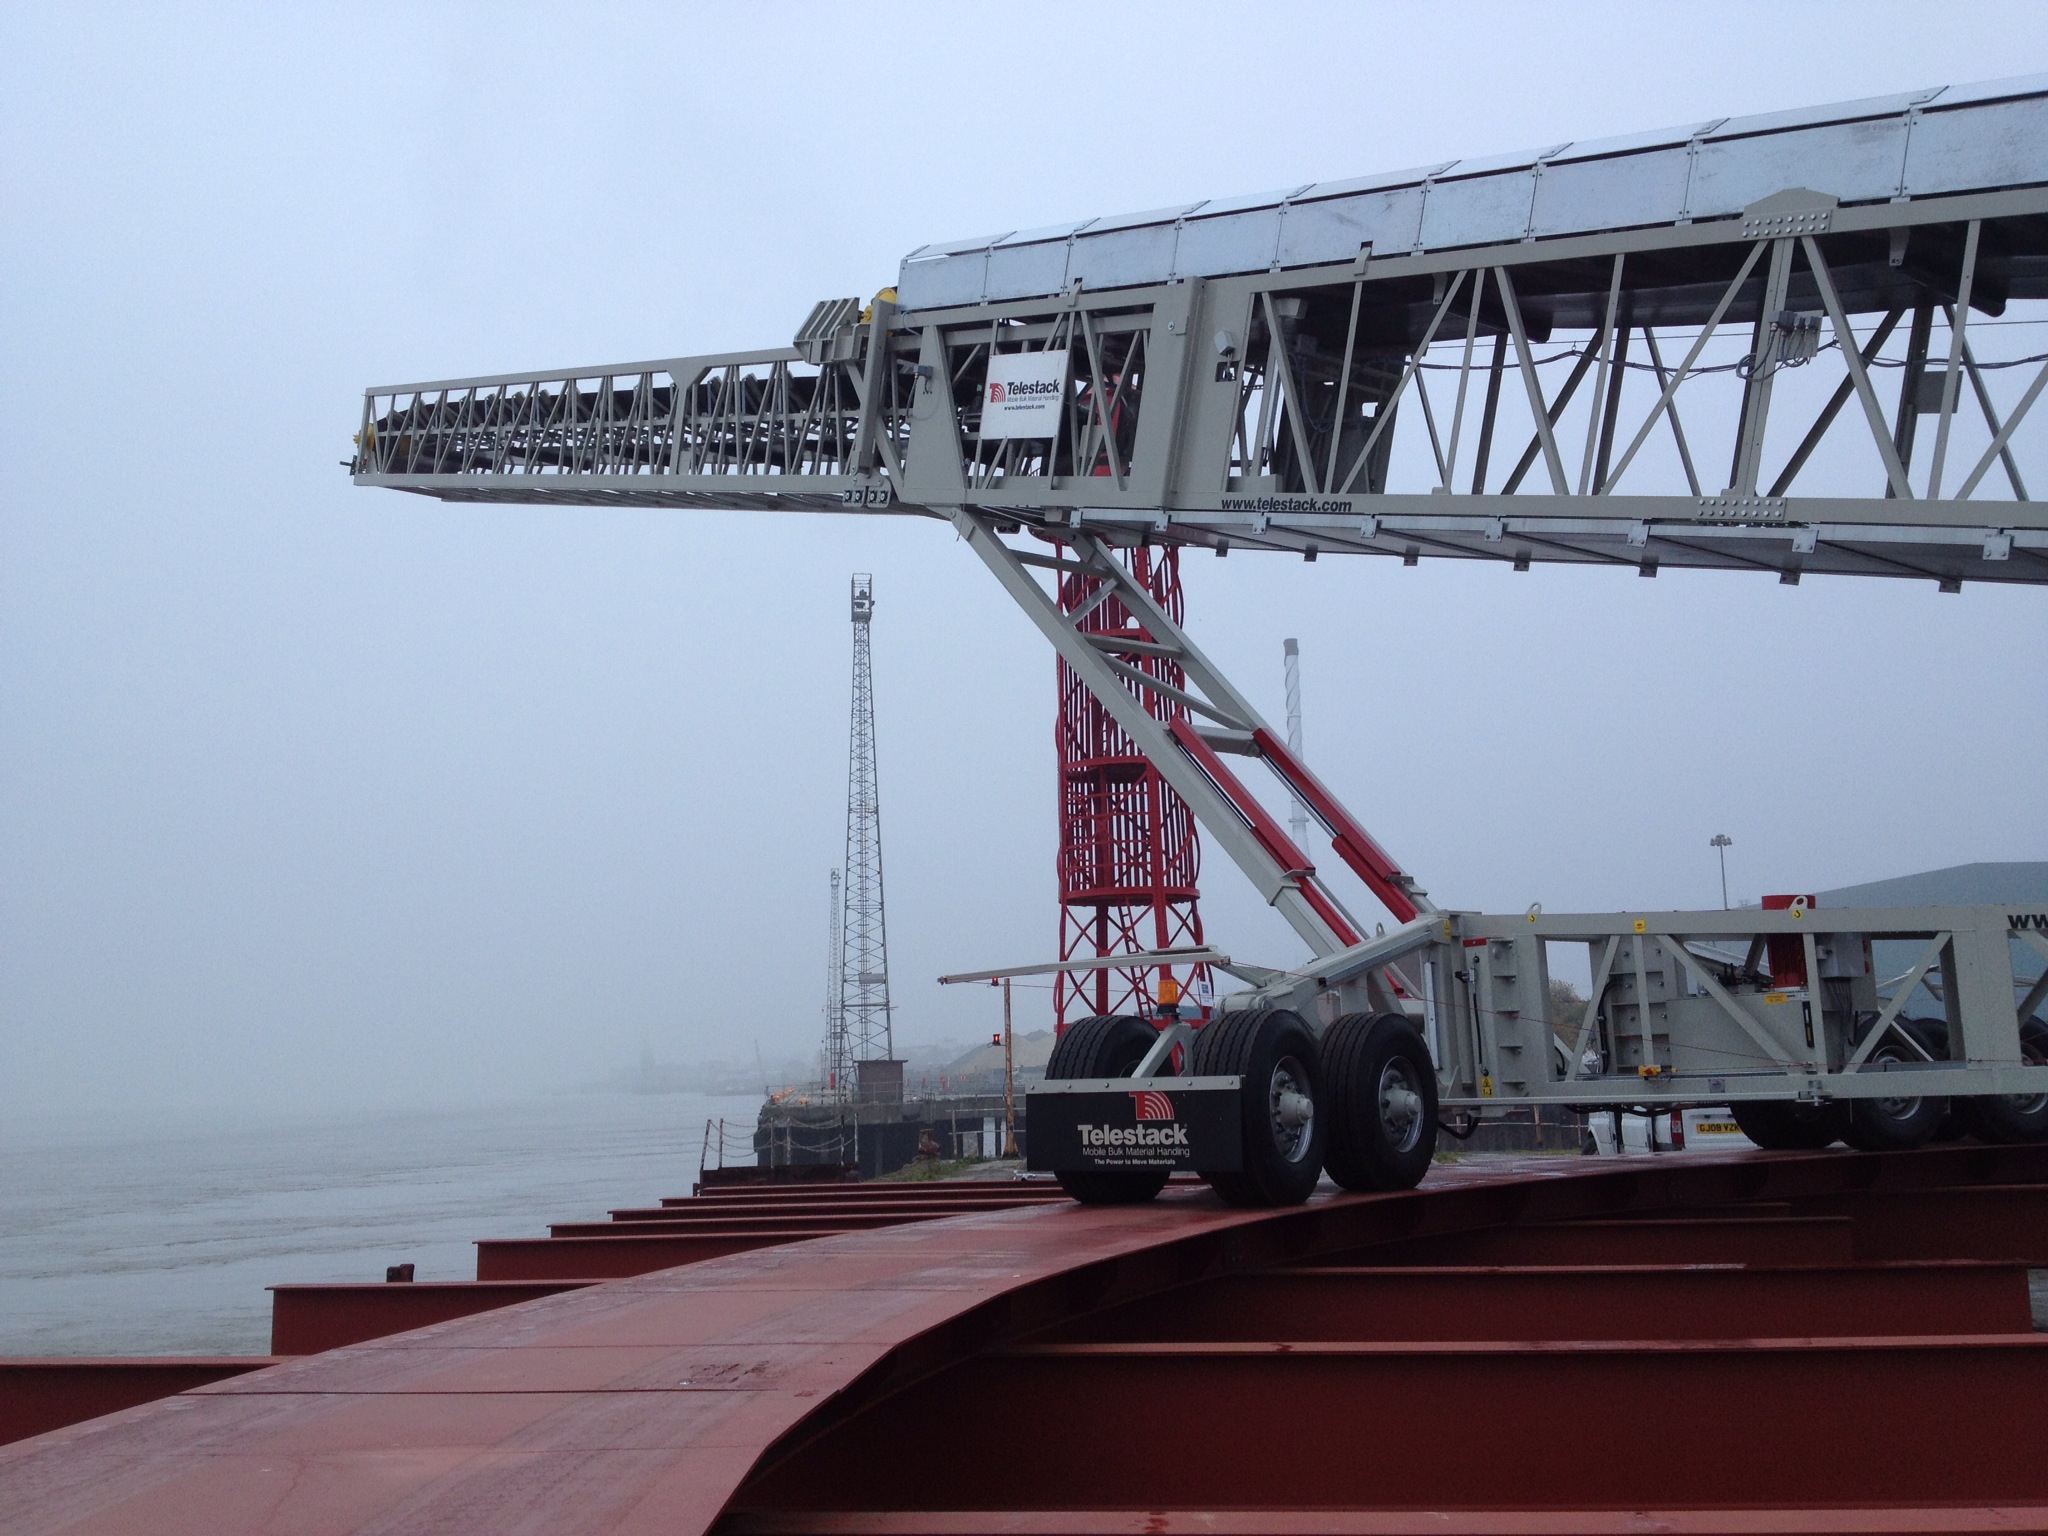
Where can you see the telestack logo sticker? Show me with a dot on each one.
(1152, 1104)
(1024, 393)
(1157, 1136)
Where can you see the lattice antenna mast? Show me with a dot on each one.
(1297, 820)
(1130, 858)
(864, 949)
(838, 1058)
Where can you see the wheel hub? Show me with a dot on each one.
(1293, 1110)
(1895, 1108)
(1400, 1105)
(2029, 1103)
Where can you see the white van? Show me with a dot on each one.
(1612, 1133)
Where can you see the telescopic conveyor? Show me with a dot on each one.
(1256, 374)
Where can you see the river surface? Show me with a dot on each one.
(161, 1242)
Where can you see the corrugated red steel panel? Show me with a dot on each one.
(711, 1391)
(1687, 1301)
(807, 1221)
(946, 1191)
(39, 1393)
(614, 1257)
(306, 1319)
(1915, 1520)
(1350, 1426)
(1719, 1239)
(698, 1210)
(2008, 1223)
(834, 1209)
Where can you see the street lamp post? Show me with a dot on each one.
(1721, 843)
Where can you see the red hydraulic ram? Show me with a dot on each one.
(1354, 845)
(1263, 827)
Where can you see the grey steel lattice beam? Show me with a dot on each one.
(1216, 400)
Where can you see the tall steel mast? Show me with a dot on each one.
(864, 946)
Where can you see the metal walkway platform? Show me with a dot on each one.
(1824, 1342)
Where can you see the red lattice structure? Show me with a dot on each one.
(1129, 855)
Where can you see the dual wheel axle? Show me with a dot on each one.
(1360, 1102)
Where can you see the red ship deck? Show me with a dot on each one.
(1828, 1342)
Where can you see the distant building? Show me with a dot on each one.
(1958, 885)
(2016, 884)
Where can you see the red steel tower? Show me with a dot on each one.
(1129, 855)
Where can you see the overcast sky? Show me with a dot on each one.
(312, 796)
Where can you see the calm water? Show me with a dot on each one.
(162, 1243)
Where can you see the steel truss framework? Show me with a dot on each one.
(1729, 1005)
(1259, 408)
(864, 1023)
(1182, 726)
(1263, 411)
(641, 433)
(1129, 858)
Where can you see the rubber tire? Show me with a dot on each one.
(1359, 1153)
(1955, 1125)
(1782, 1125)
(2009, 1117)
(1876, 1127)
(1249, 1046)
(1108, 1045)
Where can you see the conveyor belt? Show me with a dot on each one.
(1596, 353)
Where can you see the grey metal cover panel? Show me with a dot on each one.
(1045, 232)
(1966, 138)
(1139, 220)
(1119, 258)
(1414, 176)
(1833, 112)
(1217, 206)
(956, 247)
(1027, 269)
(2002, 142)
(1490, 165)
(1333, 229)
(1988, 90)
(1478, 210)
(1578, 194)
(1236, 242)
(1633, 143)
(1857, 162)
(942, 281)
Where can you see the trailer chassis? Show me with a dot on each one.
(1686, 1008)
